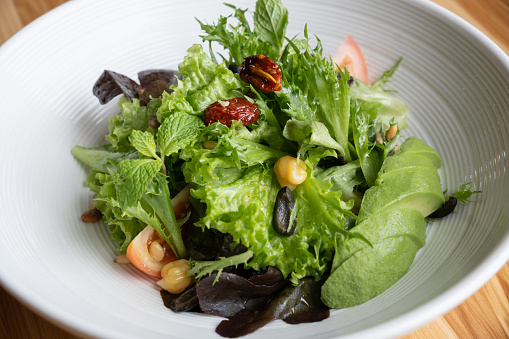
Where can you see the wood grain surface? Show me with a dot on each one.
(484, 315)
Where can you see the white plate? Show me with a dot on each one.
(454, 79)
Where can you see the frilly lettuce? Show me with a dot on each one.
(388, 107)
(203, 83)
(123, 228)
(267, 36)
(237, 149)
(243, 207)
(132, 117)
(312, 91)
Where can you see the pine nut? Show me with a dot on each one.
(391, 132)
(156, 251)
(92, 215)
(122, 259)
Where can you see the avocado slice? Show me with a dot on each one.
(404, 162)
(418, 188)
(391, 218)
(414, 145)
(369, 272)
(378, 227)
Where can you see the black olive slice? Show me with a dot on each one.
(282, 212)
(446, 208)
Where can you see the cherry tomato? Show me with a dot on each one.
(349, 55)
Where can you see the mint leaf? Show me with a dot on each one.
(199, 269)
(144, 143)
(132, 116)
(132, 179)
(270, 21)
(178, 131)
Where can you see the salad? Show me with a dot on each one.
(268, 181)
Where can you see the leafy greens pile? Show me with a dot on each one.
(316, 117)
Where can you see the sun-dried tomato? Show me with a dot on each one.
(261, 72)
(234, 109)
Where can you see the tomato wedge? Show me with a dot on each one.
(138, 251)
(139, 255)
(349, 55)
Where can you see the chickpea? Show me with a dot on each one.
(289, 172)
(175, 279)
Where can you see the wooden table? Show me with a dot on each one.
(483, 315)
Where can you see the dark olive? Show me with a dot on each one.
(234, 68)
(446, 208)
(282, 211)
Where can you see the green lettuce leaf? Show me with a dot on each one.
(390, 109)
(123, 228)
(320, 215)
(310, 132)
(100, 158)
(387, 75)
(463, 193)
(199, 269)
(142, 190)
(238, 148)
(154, 209)
(371, 157)
(131, 117)
(312, 91)
(343, 178)
(203, 83)
(267, 37)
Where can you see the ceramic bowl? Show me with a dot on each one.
(453, 78)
